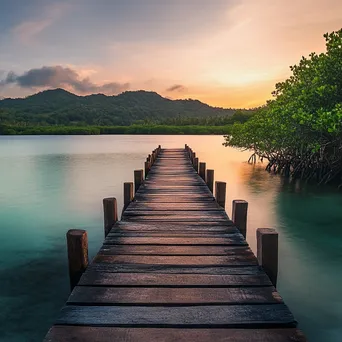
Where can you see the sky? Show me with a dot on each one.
(227, 53)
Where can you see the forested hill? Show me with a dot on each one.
(59, 107)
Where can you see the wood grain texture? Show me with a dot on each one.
(174, 250)
(99, 278)
(172, 296)
(111, 334)
(236, 240)
(242, 316)
(204, 260)
(175, 269)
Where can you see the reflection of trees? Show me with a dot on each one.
(257, 179)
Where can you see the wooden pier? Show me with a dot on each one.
(175, 268)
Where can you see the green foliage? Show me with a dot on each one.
(92, 130)
(59, 107)
(60, 112)
(300, 131)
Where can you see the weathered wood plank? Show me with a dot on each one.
(87, 295)
(98, 278)
(186, 234)
(235, 240)
(113, 334)
(174, 269)
(174, 250)
(226, 226)
(230, 260)
(157, 206)
(172, 198)
(242, 316)
(213, 214)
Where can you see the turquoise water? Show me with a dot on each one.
(50, 184)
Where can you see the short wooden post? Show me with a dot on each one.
(220, 193)
(138, 179)
(77, 242)
(210, 180)
(193, 157)
(128, 194)
(239, 215)
(202, 170)
(147, 168)
(110, 213)
(267, 252)
(196, 164)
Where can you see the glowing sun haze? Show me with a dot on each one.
(226, 53)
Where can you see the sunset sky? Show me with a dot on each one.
(227, 53)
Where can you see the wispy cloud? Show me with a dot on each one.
(60, 77)
(27, 31)
(176, 88)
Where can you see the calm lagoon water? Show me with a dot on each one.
(53, 183)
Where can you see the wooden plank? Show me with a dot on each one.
(201, 214)
(88, 295)
(242, 316)
(180, 226)
(230, 260)
(235, 240)
(171, 198)
(157, 206)
(113, 334)
(98, 278)
(173, 250)
(175, 269)
(187, 234)
(172, 218)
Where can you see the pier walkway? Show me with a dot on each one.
(175, 268)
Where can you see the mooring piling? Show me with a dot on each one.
(77, 245)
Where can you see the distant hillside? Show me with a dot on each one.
(59, 107)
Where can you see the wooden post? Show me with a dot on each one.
(196, 164)
(267, 252)
(210, 180)
(138, 179)
(239, 215)
(220, 193)
(202, 170)
(128, 194)
(77, 242)
(110, 213)
(193, 157)
(147, 168)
